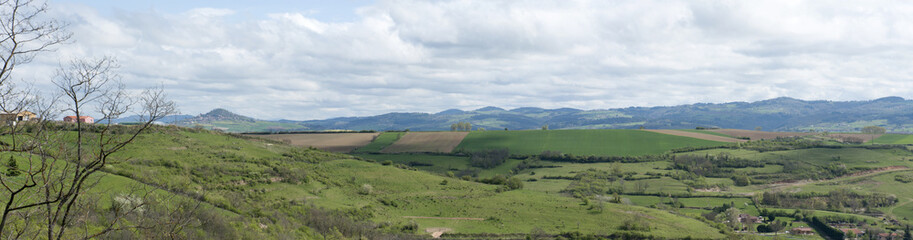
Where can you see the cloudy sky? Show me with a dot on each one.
(301, 60)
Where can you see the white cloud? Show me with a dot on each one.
(429, 56)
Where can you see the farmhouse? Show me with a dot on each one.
(855, 231)
(745, 218)
(13, 118)
(888, 236)
(82, 119)
(802, 231)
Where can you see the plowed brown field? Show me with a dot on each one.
(845, 136)
(426, 142)
(333, 142)
(696, 135)
(757, 135)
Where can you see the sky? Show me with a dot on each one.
(306, 60)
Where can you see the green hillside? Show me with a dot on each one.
(580, 142)
(280, 187)
(895, 139)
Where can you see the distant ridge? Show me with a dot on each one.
(218, 114)
(777, 114)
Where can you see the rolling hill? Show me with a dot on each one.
(779, 114)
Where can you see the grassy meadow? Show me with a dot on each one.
(256, 178)
(380, 142)
(895, 139)
(580, 142)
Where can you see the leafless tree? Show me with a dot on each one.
(62, 158)
(56, 163)
(873, 131)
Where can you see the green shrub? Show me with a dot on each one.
(904, 178)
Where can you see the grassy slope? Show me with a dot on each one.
(895, 139)
(580, 142)
(508, 212)
(382, 141)
(104, 187)
(243, 176)
(257, 126)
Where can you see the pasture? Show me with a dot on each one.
(893, 138)
(443, 142)
(380, 142)
(415, 194)
(333, 142)
(608, 142)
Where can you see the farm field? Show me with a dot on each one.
(859, 136)
(705, 131)
(441, 164)
(443, 142)
(895, 139)
(580, 142)
(333, 142)
(698, 135)
(757, 135)
(380, 142)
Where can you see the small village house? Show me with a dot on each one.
(855, 231)
(13, 118)
(745, 218)
(802, 231)
(82, 119)
(890, 236)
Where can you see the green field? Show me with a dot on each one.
(895, 139)
(706, 132)
(382, 141)
(580, 142)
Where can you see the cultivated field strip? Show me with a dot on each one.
(696, 135)
(861, 136)
(757, 135)
(426, 142)
(333, 142)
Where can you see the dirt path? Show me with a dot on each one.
(891, 210)
(447, 218)
(784, 185)
(710, 137)
(436, 232)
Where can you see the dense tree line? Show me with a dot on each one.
(838, 200)
(712, 165)
(824, 229)
(461, 126)
(557, 156)
(507, 183)
(595, 182)
(489, 159)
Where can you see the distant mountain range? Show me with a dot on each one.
(778, 114)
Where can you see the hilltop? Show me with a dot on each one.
(778, 114)
(222, 119)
